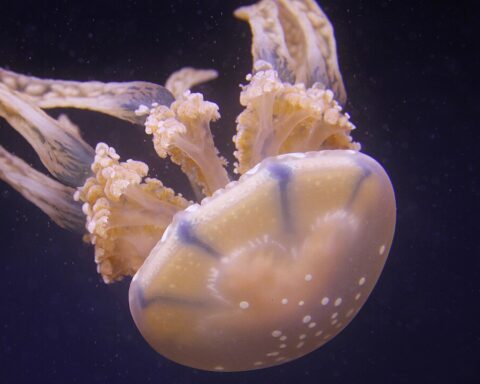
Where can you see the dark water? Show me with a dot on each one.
(409, 72)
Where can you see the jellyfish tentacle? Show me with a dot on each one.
(307, 26)
(296, 115)
(57, 143)
(69, 126)
(186, 78)
(297, 39)
(52, 197)
(126, 212)
(183, 133)
(268, 40)
(119, 100)
(280, 117)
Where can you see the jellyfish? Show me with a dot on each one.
(258, 271)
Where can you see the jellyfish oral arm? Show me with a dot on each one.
(182, 131)
(126, 212)
(52, 197)
(281, 117)
(116, 99)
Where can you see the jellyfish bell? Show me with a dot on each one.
(264, 269)
(268, 269)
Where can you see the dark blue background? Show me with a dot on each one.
(410, 72)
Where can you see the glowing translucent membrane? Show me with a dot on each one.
(270, 270)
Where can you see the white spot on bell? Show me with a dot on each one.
(312, 324)
(325, 300)
(276, 333)
(274, 353)
(308, 277)
(361, 281)
(284, 301)
(300, 345)
(283, 338)
(307, 319)
(301, 303)
(244, 304)
(381, 250)
(357, 296)
(338, 302)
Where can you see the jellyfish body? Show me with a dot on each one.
(269, 268)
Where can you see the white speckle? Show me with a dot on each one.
(274, 353)
(281, 358)
(142, 110)
(301, 344)
(338, 302)
(284, 301)
(257, 363)
(244, 304)
(350, 312)
(312, 324)
(307, 319)
(276, 333)
(381, 250)
(281, 346)
(361, 281)
(357, 296)
(318, 333)
(325, 300)
(283, 338)
(308, 277)
(334, 315)
(334, 321)
(326, 337)
(218, 368)
(301, 303)
(338, 325)
(302, 336)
